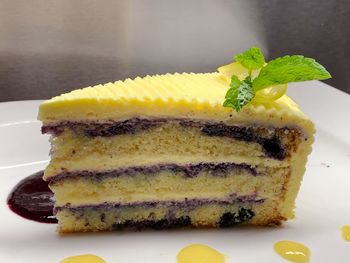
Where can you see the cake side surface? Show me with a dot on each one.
(161, 151)
(99, 172)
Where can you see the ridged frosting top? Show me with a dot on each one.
(186, 95)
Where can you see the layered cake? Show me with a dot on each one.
(162, 152)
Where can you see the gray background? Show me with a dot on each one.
(48, 47)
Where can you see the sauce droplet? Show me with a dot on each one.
(88, 258)
(293, 251)
(346, 232)
(31, 198)
(199, 254)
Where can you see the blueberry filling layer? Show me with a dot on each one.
(172, 205)
(154, 224)
(227, 219)
(187, 171)
(105, 129)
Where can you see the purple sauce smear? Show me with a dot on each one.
(31, 198)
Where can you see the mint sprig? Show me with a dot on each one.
(279, 71)
(288, 69)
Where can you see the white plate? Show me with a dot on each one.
(322, 205)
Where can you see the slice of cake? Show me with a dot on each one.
(163, 152)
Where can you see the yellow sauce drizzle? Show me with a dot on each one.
(199, 254)
(346, 232)
(293, 251)
(88, 258)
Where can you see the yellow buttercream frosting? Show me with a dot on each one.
(186, 95)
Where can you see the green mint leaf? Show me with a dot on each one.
(289, 69)
(235, 82)
(240, 94)
(251, 59)
(246, 92)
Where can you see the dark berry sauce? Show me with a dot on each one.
(31, 198)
